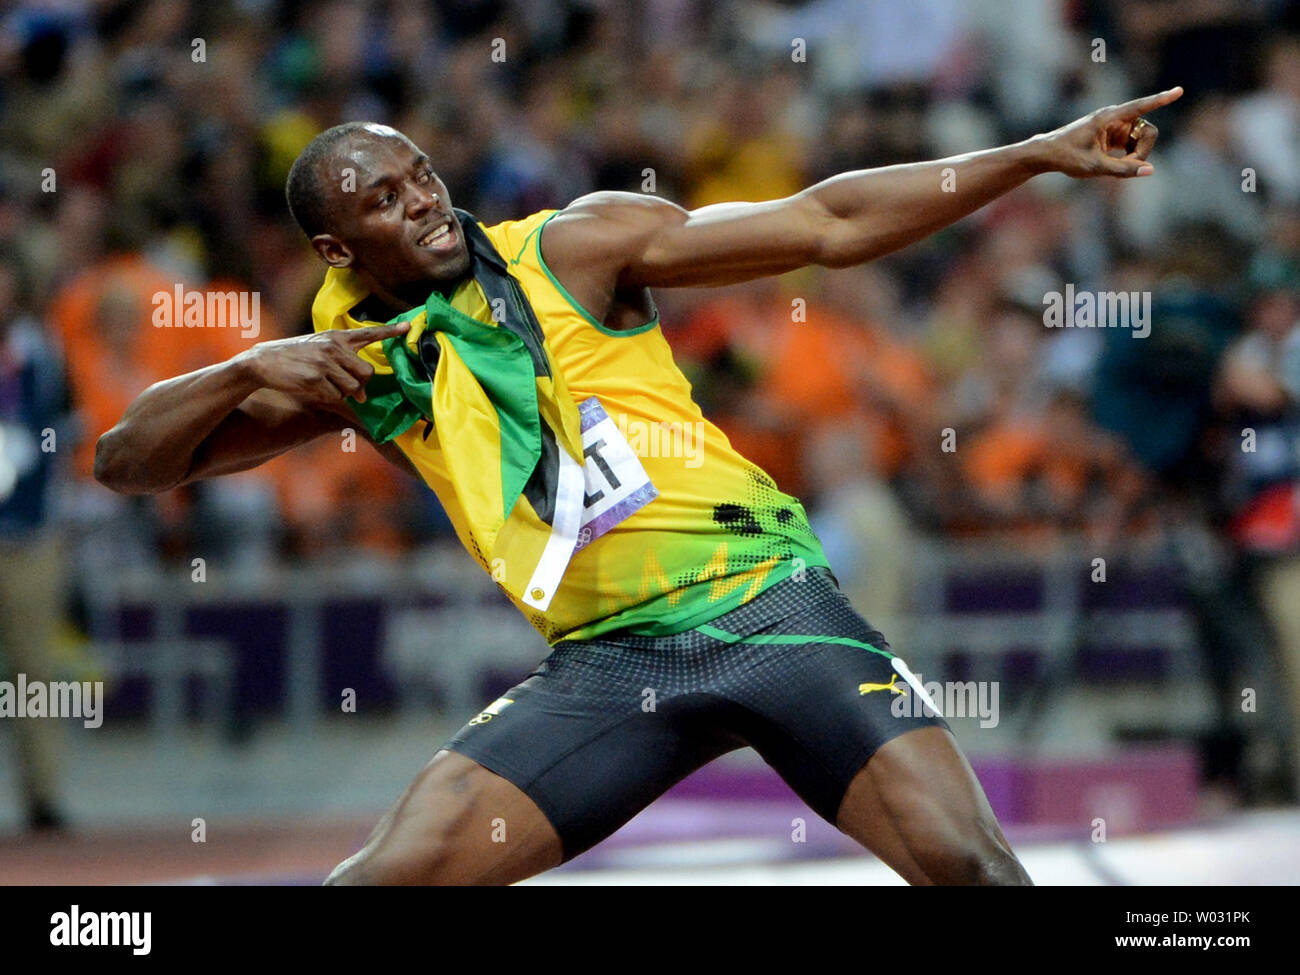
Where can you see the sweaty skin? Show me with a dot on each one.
(915, 804)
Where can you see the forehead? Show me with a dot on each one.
(376, 151)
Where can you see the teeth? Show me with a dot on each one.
(438, 234)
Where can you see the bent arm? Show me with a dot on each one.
(236, 414)
(215, 421)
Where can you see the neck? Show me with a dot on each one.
(413, 295)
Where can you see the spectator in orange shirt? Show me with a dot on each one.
(1038, 472)
(840, 364)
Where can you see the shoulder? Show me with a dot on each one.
(621, 209)
(594, 230)
(512, 237)
(608, 224)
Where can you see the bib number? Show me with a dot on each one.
(617, 486)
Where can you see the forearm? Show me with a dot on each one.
(237, 414)
(152, 447)
(870, 213)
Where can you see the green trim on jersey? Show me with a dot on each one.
(541, 261)
(787, 638)
(687, 608)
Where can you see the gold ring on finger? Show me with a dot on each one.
(1134, 133)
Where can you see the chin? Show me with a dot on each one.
(454, 268)
(427, 267)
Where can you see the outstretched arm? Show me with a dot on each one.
(239, 413)
(607, 241)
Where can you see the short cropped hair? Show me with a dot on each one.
(307, 188)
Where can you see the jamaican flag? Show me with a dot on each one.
(495, 418)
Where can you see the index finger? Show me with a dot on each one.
(1140, 106)
(366, 334)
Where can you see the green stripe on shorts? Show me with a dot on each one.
(787, 638)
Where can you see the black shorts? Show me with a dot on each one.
(605, 726)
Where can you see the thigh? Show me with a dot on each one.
(846, 724)
(918, 806)
(837, 706)
(599, 732)
(823, 692)
(457, 823)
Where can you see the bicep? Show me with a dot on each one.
(727, 243)
(630, 240)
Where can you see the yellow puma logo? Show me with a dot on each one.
(868, 688)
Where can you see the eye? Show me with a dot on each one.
(387, 200)
(425, 177)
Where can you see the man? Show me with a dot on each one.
(33, 414)
(689, 608)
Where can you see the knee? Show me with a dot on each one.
(420, 841)
(998, 868)
(985, 863)
(979, 856)
(373, 868)
(349, 873)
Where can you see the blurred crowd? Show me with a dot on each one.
(146, 143)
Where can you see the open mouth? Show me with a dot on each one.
(441, 239)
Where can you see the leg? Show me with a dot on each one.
(457, 823)
(837, 717)
(917, 805)
(1279, 584)
(545, 772)
(30, 603)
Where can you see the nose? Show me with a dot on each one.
(421, 200)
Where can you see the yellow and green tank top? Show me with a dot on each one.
(679, 527)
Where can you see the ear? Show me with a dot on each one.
(332, 251)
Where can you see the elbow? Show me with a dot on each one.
(839, 245)
(108, 468)
(836, 257)
(849, 241)
(115, 469)
(831, 237)
(850, 251)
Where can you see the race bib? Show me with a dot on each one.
(617, 486)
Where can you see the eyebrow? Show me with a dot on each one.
(420, 160)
